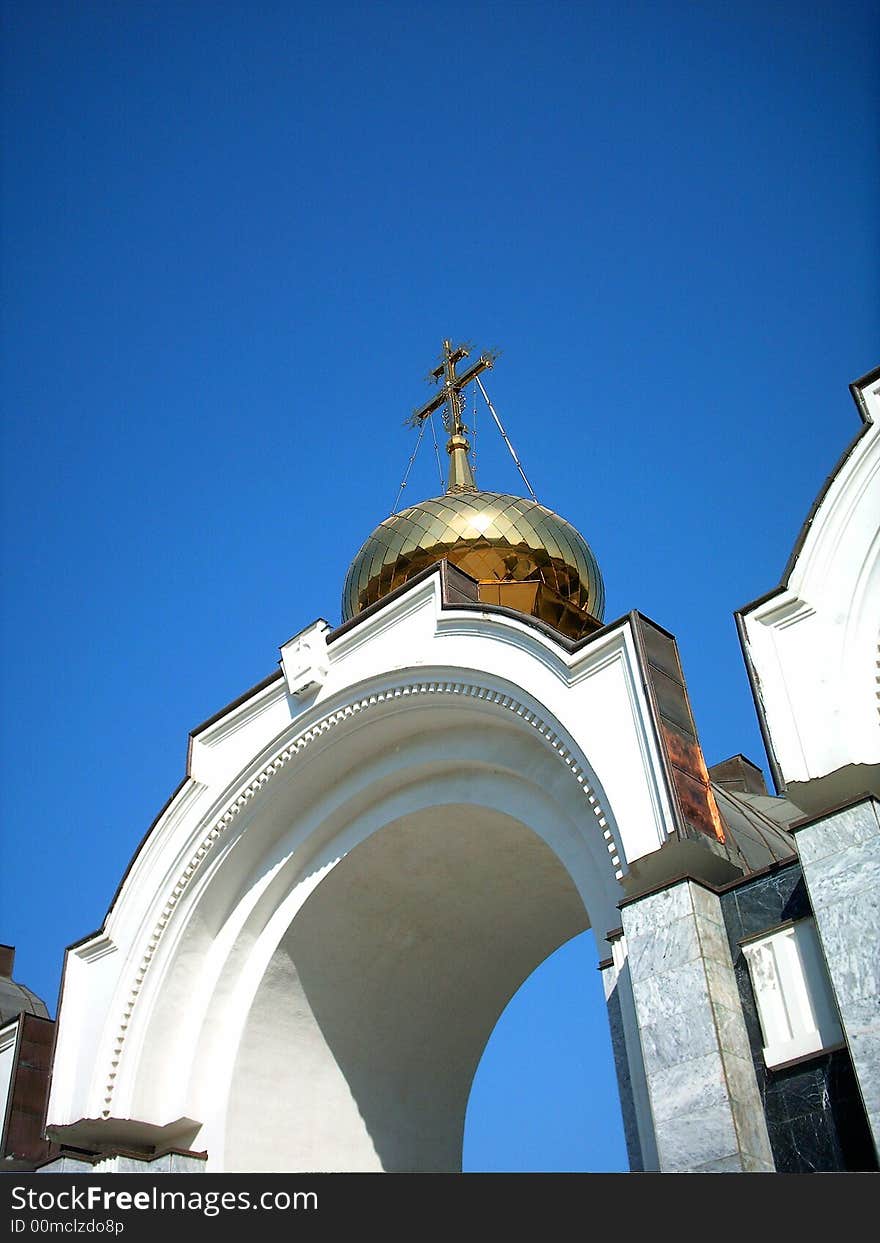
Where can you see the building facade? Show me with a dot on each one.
(373, 848)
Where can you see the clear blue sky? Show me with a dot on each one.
(234, 236)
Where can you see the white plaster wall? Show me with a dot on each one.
(813, 645)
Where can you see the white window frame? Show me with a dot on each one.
(796, 1005)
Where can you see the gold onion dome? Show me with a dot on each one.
(523, 555)
(516, 549)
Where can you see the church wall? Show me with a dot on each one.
(815, 1117)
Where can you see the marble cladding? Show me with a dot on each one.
(66, 1165)
(815, 1118)
(704, 1095)
(840, 857)
(613, 986)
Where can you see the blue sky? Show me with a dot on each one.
(234, 236)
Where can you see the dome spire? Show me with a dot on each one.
(461, 477)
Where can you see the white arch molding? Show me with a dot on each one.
(485, 784)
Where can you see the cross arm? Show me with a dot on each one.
(484, 362)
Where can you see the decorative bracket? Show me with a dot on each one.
(304, 659)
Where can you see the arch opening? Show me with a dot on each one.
(544, 1097)
(364, 1035)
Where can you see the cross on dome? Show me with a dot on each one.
(450, 394)
(460, 474)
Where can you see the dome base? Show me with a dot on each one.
(538, 600)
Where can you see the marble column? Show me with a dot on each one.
(638, 1128)
(704, 1097)
(840, 858)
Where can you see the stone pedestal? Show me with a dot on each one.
(704, 1100)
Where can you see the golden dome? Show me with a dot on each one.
(523, 556)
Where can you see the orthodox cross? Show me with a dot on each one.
(450, 394)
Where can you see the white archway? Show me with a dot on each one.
(472, 806)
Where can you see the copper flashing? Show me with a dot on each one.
(22, 1137)
(694, 807)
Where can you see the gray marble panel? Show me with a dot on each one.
(863, 1016)
(732, 1034)
(170, 1163)
(177, 1163)
(856, 974)
(741, 1081)
(751, 1127)
(66, 1165)
(662, 996)
(692, 1139)
(692, 1086)
(852, 827)
(657, 909)
(621, 1066)
(726, 1165)
(722, 984)
(678, 1038)
(666, 948)
(864, 1047)
(841, 862)
(841, 877)
(692, 1033)
(706, 904)
(130, 1165)
(754, 1165)
(847, 929)
(713, 941)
